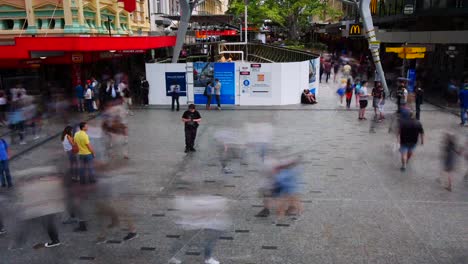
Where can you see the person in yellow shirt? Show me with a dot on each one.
(85, 154)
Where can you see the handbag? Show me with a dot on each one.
(75, 148)
(95, 105)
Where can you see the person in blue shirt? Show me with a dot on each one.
(209, 89)
(463, 98)
(79, 92)
(4, 167)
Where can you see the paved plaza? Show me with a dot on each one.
(358, 206)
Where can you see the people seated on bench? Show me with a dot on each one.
(307, 97)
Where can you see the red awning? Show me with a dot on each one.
(25, 45)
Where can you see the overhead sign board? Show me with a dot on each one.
(405, 49)
(410, 56)
(77, 58)
(408, 9)
(355, 30)
(374, 45)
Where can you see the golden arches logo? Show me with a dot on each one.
(355, 29)
(373, 7)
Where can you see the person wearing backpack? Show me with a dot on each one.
(4, 166)
(209, 94)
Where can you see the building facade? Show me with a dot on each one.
(68, 41)
(441, 26)
(71, 17)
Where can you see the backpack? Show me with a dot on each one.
(205, 93)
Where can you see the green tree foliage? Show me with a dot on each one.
(291, 14)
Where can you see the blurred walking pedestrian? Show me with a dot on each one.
(419, 99)
(96, 93)
(327, 69)
(85, 154)
(191, 119)
(378, 101)
(409, 133)
(16, 120)
(71, 148)
(347, 71)
(363, 95)
(41, 198)
(3, 108)
(349, 93)
(336, 70)
(463, 99)
(202, 216)
(217, 91)
(286, 189)
(449, 154)
(357, 88)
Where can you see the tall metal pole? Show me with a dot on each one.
(245, 18)
(240, 32)
(364, 8)
(186, 12)
(245, 31)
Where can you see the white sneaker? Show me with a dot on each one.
(36, 137)
(22, 143)
(174, 261)
(211, 261)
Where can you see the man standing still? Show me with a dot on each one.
(144, 91)
(85, 154)
(419, 100)
(175, 91)
(4, 166)
(217, 90)
(410, 129)
(191, 119)
(79, 92)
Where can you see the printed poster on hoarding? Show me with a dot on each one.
(206, 72)
(314, 68)
(176, 80)
(258, 80)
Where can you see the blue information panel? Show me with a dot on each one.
(412, 80)
(207, 72)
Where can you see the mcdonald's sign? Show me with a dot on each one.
(355, 30)
(373, 7)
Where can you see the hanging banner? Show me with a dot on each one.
(176, 80)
